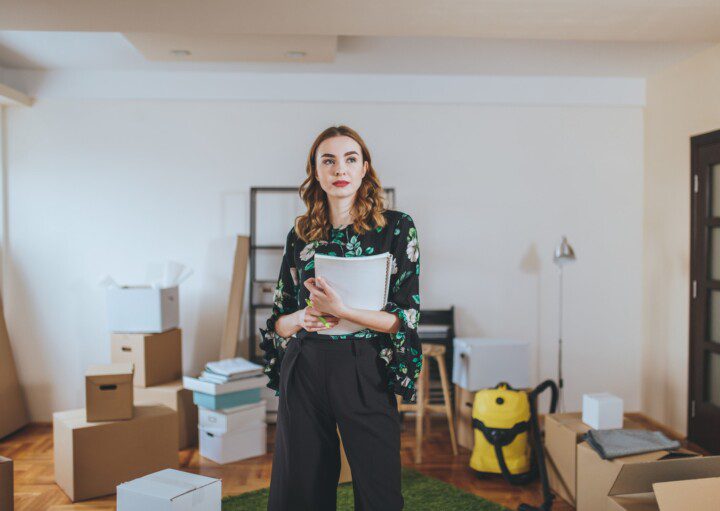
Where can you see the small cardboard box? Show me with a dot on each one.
(669, 485)
(246, 442)
(92, 458)
(174, 396)
(563, 432)
(595, 476)
(463, 417)
(602, 411)
(109, 392)
(170, 490)
(229, 419)
(142, 309)
(157, 357)
(6, 484)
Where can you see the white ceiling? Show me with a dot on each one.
(633, 38)
(588, 20)
(456, 56)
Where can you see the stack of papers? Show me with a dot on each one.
(230, 369)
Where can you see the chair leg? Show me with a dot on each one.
(448, 405)
(419, 415)
(427, 400)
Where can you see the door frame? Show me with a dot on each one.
(700, 181)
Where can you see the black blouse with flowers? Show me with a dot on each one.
(401, 351)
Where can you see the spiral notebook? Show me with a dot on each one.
(361, 282)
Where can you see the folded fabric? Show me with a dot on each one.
(614, 443)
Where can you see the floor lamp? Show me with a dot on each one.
(564, 254)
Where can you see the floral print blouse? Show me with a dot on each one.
(401, 351)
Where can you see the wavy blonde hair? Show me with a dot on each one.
(367, 209)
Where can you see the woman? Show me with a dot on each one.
(349, 380)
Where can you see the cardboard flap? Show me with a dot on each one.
(695, 494)
(169, 484)
(639, 477)
(117, 369)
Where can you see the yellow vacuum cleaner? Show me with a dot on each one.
(503, 419)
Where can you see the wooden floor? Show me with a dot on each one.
(32, 452)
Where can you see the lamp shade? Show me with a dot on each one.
(564, 253)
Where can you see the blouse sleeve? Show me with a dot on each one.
(284, 302)
(404, 300)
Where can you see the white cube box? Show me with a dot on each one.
(170, 490)
(142, 309)
(480, 363)
(602, 411)
(229, 419)
(246, 442)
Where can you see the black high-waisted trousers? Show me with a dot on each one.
(325, 382)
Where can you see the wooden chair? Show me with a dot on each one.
(422, 404)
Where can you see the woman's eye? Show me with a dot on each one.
(352, 159)
(327, 162)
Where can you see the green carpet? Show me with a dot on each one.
(421, 493)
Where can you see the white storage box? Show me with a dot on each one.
(218, 389)
(170, 490)
(230, 419)
(602, 411)
(480, 363)
(272, 401)
(142, 309)
(246, 442)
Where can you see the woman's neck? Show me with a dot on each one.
(340, 215)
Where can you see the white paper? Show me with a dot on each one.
(361, 282)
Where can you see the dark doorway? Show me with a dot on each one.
(704, 384)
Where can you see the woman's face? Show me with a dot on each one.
(340, 167)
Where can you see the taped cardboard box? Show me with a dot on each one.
(595, 476)
(6, 484)
(92, 458)
(463, 413)
(669, 485)
(109, 392)
(563, 431)
(174, 396)
(170, 490)
(157, 357)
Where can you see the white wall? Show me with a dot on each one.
(105, 186)
(681, 102)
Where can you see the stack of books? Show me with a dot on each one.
(232, 423)
(230, 369)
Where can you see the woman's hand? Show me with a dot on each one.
(324, 297)
(308, 319)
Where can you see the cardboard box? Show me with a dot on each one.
(14, 412)
(170, 490)
(480, 363)
(6, 484)
(174, 396)
(142, 309)
(229, 419)
(602, 411)
(463, 417)
(109, 392)
(595, 476)
(92, 458)
(157, 357)
(563, 432)
(669, 485)
(240, 444)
